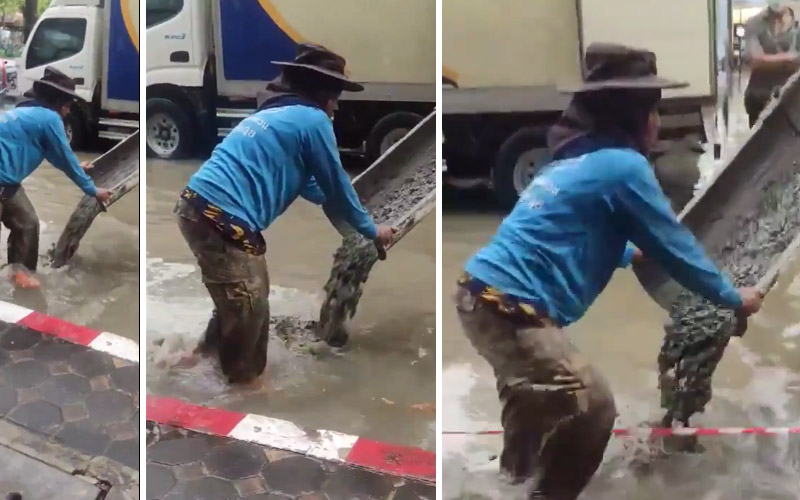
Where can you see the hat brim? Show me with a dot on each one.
(63, 90)
(644, 83)
(349, 86)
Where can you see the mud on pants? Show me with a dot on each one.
(19, 217)
(756, 101)
(238, 282)
(557, 410)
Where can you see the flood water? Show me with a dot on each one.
(756, 384)
(384, 376)
(99, 287)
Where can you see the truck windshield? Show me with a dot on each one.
(159, 11)
(56, 39)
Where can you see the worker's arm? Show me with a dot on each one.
(322, 158)
(58, 152)
(757, 58)
(312, 192)
(645, 212)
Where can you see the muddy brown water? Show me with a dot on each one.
(756, 384)
(99, 287)
(387, 367)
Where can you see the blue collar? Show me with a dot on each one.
(282, 100)
(587, 143)
(31, 103)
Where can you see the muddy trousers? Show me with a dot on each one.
(238, 282)
(557, 410)
(755, 103)
(19, 217)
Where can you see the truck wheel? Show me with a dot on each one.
(76, 134)
(169, 131)
(518, 160)
(388, 131)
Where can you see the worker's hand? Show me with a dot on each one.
(752, 298)
(385, 235)
(786, 58)
(86, 165)
(638, 256)
(103, 195)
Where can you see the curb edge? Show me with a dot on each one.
(107, 342)
(390, 459)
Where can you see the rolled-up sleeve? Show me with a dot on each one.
(627, 256)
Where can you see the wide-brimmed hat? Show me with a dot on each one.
(321, 60)
(56, 79)
(612, 66)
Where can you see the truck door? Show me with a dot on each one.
(68, 38)
(177, 38)
(680, 32)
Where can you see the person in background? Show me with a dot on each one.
(30, 133)
(556, 252)
(285, 150)
(772, 49)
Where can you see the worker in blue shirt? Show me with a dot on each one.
(285, 150)
(29, 134)
(556, 252)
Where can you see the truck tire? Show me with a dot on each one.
(518, 160)
(76, 131)
(389, 130)
(169, 131)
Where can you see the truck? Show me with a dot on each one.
(207, 62)
(8, 76)
(504, 62)
(96, 43)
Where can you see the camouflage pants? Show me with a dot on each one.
(17, 214)
(238, 282)
(558, 411)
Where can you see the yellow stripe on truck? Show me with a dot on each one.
(450, 73)
(282, 23)
(133, 29)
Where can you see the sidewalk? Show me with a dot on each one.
(68, 413)
(184, 464)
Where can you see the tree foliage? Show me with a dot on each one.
(8, 7)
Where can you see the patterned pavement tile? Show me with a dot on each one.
(72, 396)
(184, 464)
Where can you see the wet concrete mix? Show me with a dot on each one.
(355, 257)
(699, 331)
(118, 169)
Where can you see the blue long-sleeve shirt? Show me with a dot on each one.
(567, 234)
(31, 134)
(270, 159)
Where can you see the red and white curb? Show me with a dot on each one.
(331, 446)
(109, 343)
(655, 432)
